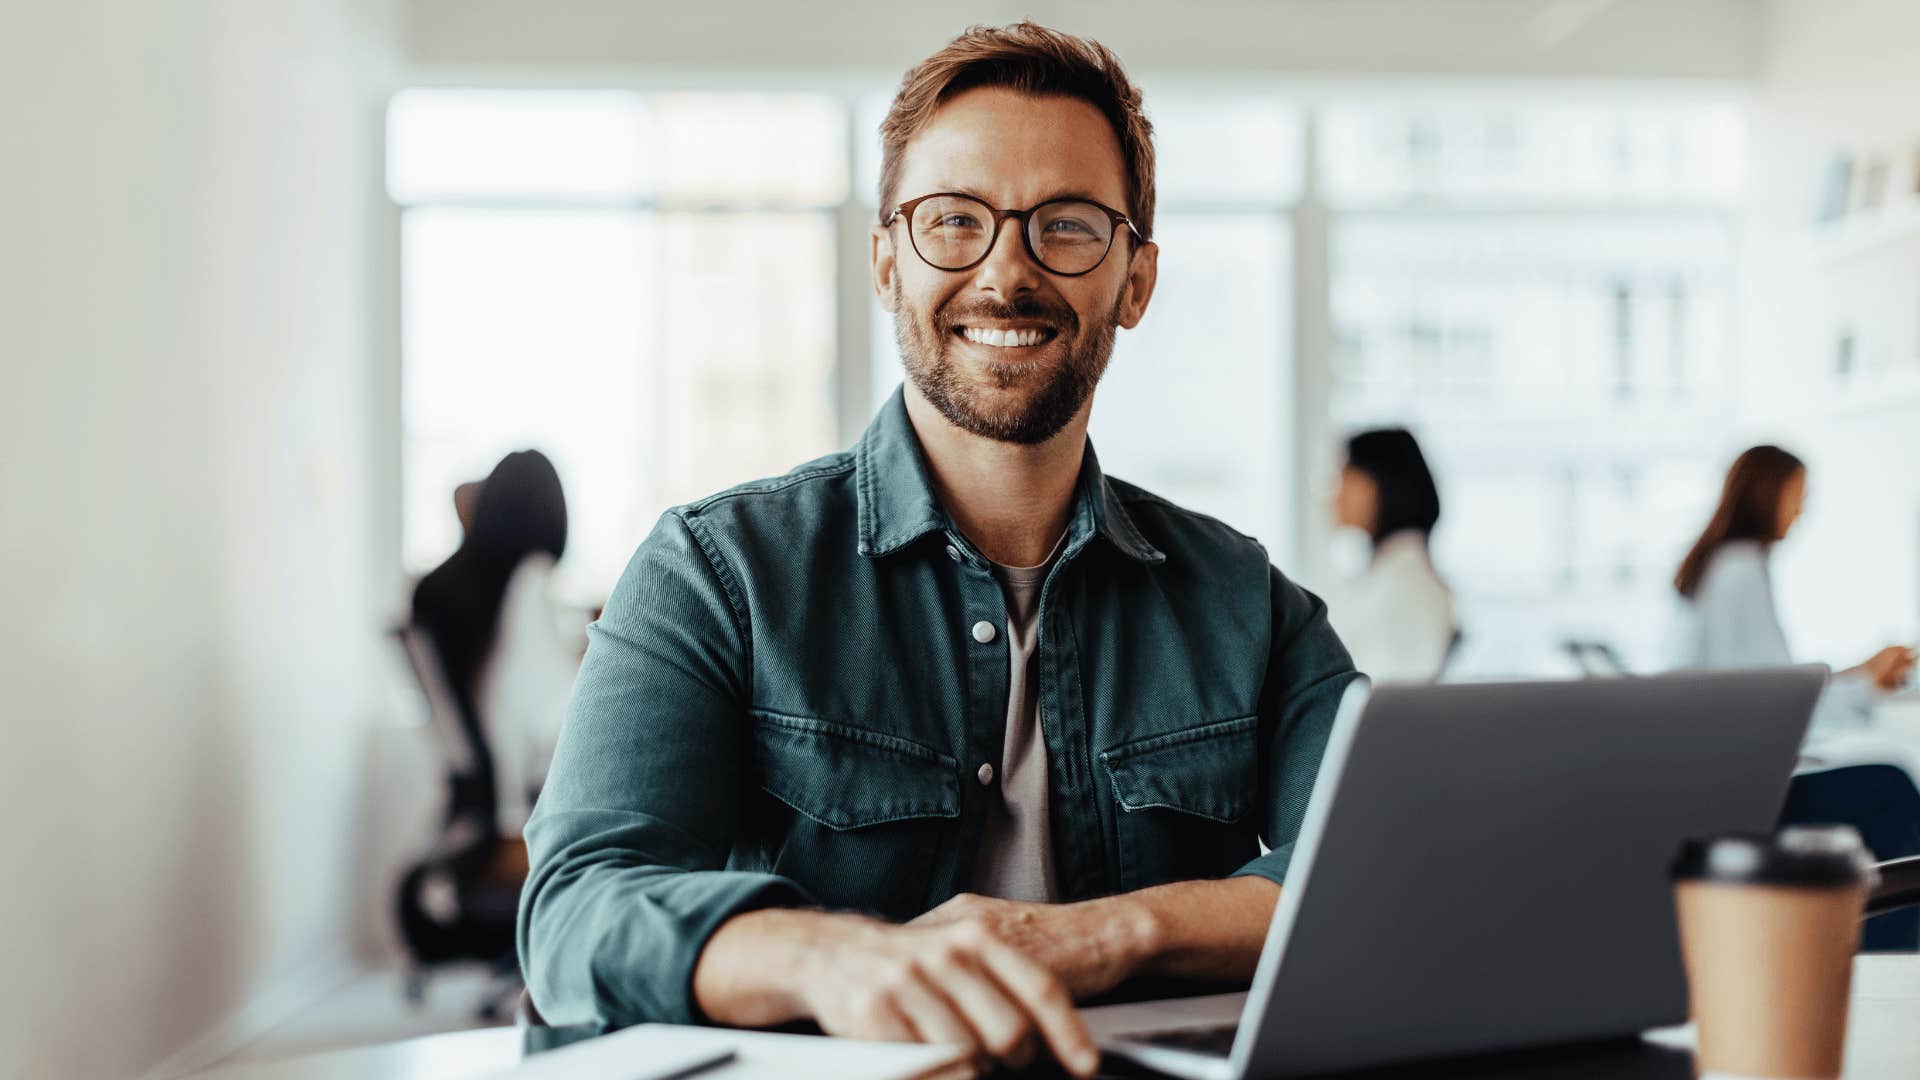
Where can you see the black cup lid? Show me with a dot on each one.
(1808, 855)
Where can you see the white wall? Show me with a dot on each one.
(1839, 77)
(1665, 39)
(195, 559)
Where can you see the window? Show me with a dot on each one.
(1544, 294)
(640, 286)
(649, 286)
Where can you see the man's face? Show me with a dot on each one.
(1012, 151)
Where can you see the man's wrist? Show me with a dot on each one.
(1135, 928)
(758, 969)
(1208, 929)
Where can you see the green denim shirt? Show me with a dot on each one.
(784, 703)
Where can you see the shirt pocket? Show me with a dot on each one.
(857, 816)
(1187, 802)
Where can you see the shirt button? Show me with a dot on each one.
(953, 553)
(983, 631)
(985, 774)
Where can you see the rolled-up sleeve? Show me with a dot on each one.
(1308, 670)
(630, 840)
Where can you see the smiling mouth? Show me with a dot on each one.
(1015, 338)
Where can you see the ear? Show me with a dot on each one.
(1143, 270)
(884, 266)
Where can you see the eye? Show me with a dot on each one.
(956, 221)
(1069, 229)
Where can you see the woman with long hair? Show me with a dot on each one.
(1727, 584)
(1396, 617)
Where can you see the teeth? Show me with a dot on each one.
(1003, 339)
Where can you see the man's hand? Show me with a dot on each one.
(959, 982)
(1091, 946)
(995, 976)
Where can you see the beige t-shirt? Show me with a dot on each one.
(1016, 850)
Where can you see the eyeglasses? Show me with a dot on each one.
(1068, 237)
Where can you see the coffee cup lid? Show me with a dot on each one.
(1807, 855)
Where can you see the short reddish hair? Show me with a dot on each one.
(1031, 59)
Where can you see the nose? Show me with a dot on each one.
(1008, 270)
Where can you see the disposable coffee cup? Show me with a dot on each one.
(1768, 929)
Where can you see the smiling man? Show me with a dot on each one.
(926, 739)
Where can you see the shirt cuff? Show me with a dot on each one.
(641, 970)
(1272, 866)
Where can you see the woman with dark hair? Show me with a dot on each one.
(1727, 585)
(1397, 616)
(483, 610)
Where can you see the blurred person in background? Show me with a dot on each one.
(1728, 617)
(1395, 615)
(1729, 620)
(489, 612)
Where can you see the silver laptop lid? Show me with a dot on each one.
(1484, 866)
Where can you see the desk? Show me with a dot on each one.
(1883, 1043)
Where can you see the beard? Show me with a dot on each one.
(1059, 376)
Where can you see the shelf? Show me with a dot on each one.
(1872, 232)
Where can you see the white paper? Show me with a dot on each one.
(643, 1050)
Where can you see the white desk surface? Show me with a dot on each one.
(1883, 1040)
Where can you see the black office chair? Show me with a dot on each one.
(456, 904)
(1882, 803)
(1899, 887)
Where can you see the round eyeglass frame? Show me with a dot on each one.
(1000, 217)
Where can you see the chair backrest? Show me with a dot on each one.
(1899, 886)
(443, 714)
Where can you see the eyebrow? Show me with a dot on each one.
(1070, 193)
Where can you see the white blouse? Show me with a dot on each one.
(1731, 622)
(528, 678)
(1396, 618)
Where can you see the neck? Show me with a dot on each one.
(1011, 501)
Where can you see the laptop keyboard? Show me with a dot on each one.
(1213, 1041)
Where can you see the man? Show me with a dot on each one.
(925, 739)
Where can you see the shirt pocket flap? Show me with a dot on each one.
(849, 778)
(1210, 771)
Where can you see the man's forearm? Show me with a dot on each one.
(1205, 929)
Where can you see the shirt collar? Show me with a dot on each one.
(897, 505)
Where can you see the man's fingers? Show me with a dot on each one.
(1047, 1002)
(1001, 1022)
(933, 1017)
(876, 1018)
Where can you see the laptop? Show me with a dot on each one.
(1484, 867)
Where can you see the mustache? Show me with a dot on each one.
(962, 313)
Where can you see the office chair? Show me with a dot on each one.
(1899, 887)
(457, 903)
(1882, 803)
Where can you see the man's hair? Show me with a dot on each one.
(1031, 59)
